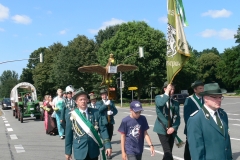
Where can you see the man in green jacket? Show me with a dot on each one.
(166, 127)
(207, 128)
(82, 132)
(192, 103)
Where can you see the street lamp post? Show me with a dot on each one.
(141, 54)
(40, 57)
(151, 93)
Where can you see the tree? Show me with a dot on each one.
(42, 73)
(8, 80)
(237, 36)
(228, 68)
(212, 50)
(124, 45)
(79, 52)
(207, 65)
(26, 76)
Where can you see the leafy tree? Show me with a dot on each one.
(124, 45)
(26, 76)
(79, 52)
(42, 73)
(212, 50)
(8, 80)
(228, 68)
(207, 65)
(106, 34)
(237, 36)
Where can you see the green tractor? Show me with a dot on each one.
(23, 105)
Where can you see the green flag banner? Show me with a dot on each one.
(177, 47)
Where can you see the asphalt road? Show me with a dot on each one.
(28, 141)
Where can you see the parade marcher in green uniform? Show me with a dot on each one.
(69, 105)
(82, 131)
(167, 134)
(107, 108)
(207, 128)
(192, 103)
(93, 100)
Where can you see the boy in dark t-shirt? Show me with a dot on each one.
(133, 130)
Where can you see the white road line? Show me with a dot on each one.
(149, 111)
(233, 119)
(19, 148)
(151, 125)
(13, 136)
(7, 124)
(230, 103)
(236, 124)
(141, 114)
(235, 139)
(5, 121)
(9, 129)
(175, 157)
(3, 117)
(232, 114)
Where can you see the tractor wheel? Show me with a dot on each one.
(13, 113)
(19, 116)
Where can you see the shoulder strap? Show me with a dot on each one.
(196, 101)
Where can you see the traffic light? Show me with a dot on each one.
(41, 58)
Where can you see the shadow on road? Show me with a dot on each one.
(236, 155)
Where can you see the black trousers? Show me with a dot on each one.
(110, 130)
(88, 158)
(187, 155)
(167, 142)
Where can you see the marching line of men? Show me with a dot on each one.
(89, 127)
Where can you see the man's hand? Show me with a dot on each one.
(152, 150)
(168, 89)
(170, 130)
(107, 103)
(108, 152)
(68, 157)
(109, 113)
(124, 156)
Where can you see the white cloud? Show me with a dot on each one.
(217, 13)
(227, 33)
(208, 33)
(62, 32)
(2, 30)
(112, 22)
(49, 12)
(223, 34)
(163, 19)
(21, 19)
(4, 12)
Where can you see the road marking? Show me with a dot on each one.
(233, 119)
(13, 136)
(149, 110)
(232, 114)
(19, 148)
(230, 103)
(9, 129)
(236, 124)
(7, 124)
(5, 121)
(175, 157)
(141, 114)
(235, 139)
(151, 125)
(3, 117)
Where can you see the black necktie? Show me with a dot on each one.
(84, 113)
(218, 122)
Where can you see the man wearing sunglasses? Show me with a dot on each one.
(207, 128)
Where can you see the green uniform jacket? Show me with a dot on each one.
(189, 107)
(103, 110)
(67, 108)
(162, 114)
(206, 142)
(82, 145)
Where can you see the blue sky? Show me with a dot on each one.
(27, 25)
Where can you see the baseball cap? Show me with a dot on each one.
(136, 106)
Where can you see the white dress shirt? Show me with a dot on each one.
(212, 113)
(84, 111)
